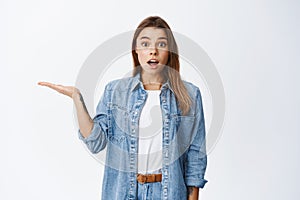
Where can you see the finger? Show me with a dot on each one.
(58, 88)
(45, 83)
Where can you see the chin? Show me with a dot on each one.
(151, 70)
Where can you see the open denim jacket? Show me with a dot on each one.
(116, 128)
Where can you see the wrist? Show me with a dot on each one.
(76, 95)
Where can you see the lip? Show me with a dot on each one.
(152, 59)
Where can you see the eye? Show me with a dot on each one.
(145, 44)
(162, 44)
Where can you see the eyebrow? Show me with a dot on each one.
(145, 37)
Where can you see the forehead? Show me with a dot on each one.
(152, 33)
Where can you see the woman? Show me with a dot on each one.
(166, 159)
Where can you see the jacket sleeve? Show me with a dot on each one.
(196, 159)
(97, 140)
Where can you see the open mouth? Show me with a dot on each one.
(153, 62)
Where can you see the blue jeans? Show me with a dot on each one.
(149, 191)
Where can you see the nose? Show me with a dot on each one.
(153, 51)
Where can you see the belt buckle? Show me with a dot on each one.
(142, 178)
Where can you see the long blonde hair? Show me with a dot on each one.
(172, 71)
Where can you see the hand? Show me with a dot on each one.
(70, 91)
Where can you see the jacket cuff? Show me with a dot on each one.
(94, 134)
(199, 183)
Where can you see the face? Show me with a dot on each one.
(152, 50)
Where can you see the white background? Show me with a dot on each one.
(254, 45)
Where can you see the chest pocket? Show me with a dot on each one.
(184, 133)
(120, 124)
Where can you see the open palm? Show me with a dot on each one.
(66, 90)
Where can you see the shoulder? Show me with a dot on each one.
(192, 89)
(195, 94)
(121, 84)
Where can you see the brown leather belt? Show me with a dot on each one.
(148, 178)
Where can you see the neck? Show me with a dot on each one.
(151, 82)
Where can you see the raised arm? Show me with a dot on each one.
(84, 120)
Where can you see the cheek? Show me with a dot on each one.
(164, 56)
(142, 56)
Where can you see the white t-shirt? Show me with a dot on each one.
(150, 135)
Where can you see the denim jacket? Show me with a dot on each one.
(116, 129)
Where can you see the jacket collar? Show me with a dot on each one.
(138, 83)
